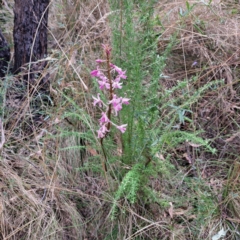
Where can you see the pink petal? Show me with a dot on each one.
(102, 131)
(122, 128)
(100, 61)
(95, 73)
(125, 101)
(104, 119)
(97, 100)
(117, 85)
(100, 134)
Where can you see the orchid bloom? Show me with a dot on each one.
(100, 61)
(102, 131)
(103, 84)
(104, 119)
(121, 73)
(97, 100)
(117, 85)
(110, 85)
(96, 73)
(122, 128)
(116, 103)
(125, 101)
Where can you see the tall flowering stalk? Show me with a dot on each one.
(105, 81)
(109, 84)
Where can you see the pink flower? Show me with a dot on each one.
(122, 128)
(117, 108)
(104, 119)
(115, 100)
(97, 100)
(96, 73)
(104, 83)
(121, 73)
(100, 134)
(117, 85)
(117, 79)
(116, 103)
(125, 101)
(118, 69)
(100, 61)
(102, 131)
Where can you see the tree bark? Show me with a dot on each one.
(4, 55)
(30, 34)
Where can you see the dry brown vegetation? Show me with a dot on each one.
(49, 190)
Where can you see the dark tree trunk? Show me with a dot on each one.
(4, 55)
(30, 34)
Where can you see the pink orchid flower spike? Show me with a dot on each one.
(109, 86)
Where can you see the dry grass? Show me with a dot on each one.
(44, 195)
